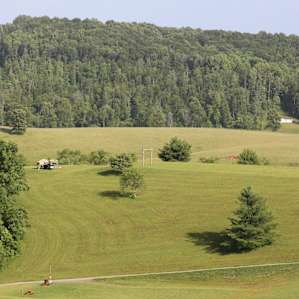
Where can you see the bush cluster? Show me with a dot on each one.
(99, 157)
(70, 157)
(75, 157)
(250, 157)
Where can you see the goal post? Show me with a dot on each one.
(144, 152)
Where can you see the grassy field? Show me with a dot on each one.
(280, 148)
(271, 283)
(82, 227)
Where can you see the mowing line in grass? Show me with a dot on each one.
(93, 278)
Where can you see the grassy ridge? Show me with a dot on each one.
(83, 228)
(43, 143)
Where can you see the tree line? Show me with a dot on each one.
(78, 73)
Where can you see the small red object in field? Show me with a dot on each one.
(232, 158)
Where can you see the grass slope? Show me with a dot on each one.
(43, 143)
(82, 227)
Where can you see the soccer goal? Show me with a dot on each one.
(145, 152)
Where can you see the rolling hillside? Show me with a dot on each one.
(82, 226)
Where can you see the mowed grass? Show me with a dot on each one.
(279, 148)
(82, 227)
(262, 283)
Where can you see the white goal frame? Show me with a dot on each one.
(144, 151)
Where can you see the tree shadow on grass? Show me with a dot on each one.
(109, 172)
(115, 195)
(213, 242)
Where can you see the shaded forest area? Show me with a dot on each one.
(67, 73)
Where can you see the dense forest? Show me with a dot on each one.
(66, 73)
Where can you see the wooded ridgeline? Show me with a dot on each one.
(67, 73)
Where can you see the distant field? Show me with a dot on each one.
(81, 226)
(274, 283)
(43, 143)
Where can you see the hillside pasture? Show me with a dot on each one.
(82, 226)
(279, 148)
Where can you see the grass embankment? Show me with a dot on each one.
(43, 143)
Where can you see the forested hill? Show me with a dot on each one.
(68, 73)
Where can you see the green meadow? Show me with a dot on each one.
(279, 148)
(82, 226)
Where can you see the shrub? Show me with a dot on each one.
(248, 157)
(70, 157)
(122, 161)
(176, 150)
(209, 159)
(18, 121)
(99, 157)
(252, 225)
(131, 181)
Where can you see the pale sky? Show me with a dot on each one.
(237, 15)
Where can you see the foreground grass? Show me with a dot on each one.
(43, 143)
(82, 227)
(266, 283)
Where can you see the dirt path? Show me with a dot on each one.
(93, 278)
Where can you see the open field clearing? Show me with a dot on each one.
(82, 227)
(43, 143)
(266, 283)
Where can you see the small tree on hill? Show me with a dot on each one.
(248, 157)
(18, 121)
(252, 225)
(122, 161)
(131, 181)
(176, 150)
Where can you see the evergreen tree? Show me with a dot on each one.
(252, 225)
(176, 150)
